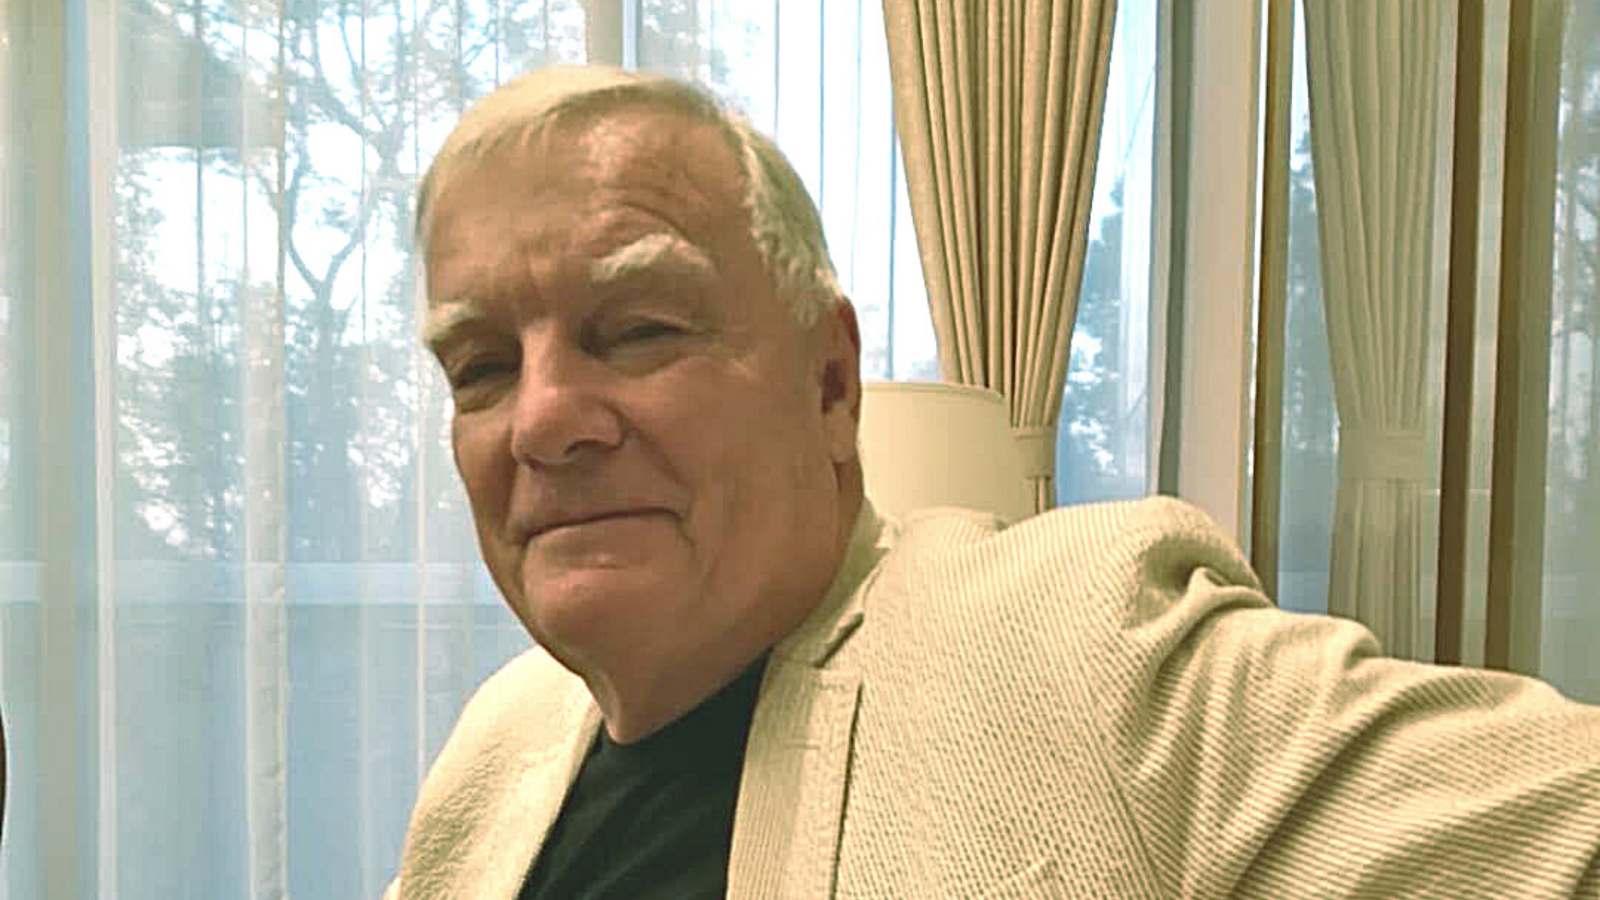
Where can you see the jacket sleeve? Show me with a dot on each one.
(1269, 754)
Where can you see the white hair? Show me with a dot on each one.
(783, 221)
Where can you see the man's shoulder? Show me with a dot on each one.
(1160, 538)
(1079, 579)
(499, 778)
(539, 685)
(530, 701)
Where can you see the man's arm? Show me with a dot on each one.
(1278, 755)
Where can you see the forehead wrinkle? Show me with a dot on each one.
(659, 250)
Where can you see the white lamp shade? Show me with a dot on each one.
(934, 444)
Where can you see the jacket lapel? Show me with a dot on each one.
(547, 785)
(790, 816)
(488, 804)
(791, 795)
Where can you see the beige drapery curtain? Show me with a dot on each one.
(1372, 73)
(998, 105)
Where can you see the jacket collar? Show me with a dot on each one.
(842, 608)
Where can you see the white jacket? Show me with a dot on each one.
(1097, 702)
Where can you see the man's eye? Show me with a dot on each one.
(645, 331)
(475, 371)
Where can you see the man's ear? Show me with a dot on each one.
(839, 348)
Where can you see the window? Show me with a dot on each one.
(1104, 430)
(1566, 614)
(287, 609)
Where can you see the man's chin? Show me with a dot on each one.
(589, 608)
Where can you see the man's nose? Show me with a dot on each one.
(564, 412)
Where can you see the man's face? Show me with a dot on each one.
(651, 444)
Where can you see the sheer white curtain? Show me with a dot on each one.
(1570, 630)
(240, 602)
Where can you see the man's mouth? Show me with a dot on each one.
(578, 521)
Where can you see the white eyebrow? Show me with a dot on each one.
(447, 318)
(658, 250)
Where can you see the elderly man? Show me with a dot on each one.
(748, 684)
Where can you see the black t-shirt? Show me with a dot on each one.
(653, 818)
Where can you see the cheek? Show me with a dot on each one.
(482, 459)
(779, 472)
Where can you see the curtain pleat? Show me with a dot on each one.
(266, 522)
(1372, 68)
(999, 106)
(101, 141)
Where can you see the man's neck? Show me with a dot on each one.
(727, 710)
(637, 704)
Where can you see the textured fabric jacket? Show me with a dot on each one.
(1097, 702)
